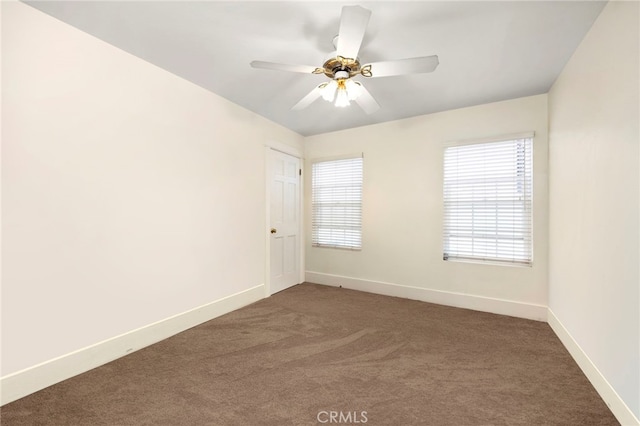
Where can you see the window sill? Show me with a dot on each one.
(337, 248)
(490, 262)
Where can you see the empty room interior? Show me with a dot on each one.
(319, 213)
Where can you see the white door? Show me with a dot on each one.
(285, 221)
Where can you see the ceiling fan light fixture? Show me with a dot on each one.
(342, 90)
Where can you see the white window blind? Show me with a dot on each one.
(488, 201)
(336, 198)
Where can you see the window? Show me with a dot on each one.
(488, 201)
(336, 198)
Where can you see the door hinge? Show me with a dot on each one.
(300, 172)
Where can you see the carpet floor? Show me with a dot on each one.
(322, 355)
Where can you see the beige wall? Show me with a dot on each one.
(594, 199)
(129, 194)
(403, 207)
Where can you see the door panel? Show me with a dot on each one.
(285, 221)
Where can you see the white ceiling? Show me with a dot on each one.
(488, 51)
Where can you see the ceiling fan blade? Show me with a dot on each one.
(366, 101)
(306, 69)
(353, 24)
(423, 64)
(311, 96)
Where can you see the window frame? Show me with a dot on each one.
(526, 225)
(316, 225)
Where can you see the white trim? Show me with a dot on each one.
(459, 300)
(617, 406)
(33, 379)
(283, 147)
(488, 139)
(337, 157)
(267, 218)
(302, 235)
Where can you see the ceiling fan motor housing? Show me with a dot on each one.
(337, 64)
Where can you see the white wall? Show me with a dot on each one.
(594, 194)
(403, 208)
(129, 194)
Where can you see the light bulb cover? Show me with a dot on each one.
(354, 89)
(342, 97)
(329, 91)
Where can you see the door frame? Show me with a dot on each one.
(294, 152)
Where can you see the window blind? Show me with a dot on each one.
(488, 201)
(336, 198)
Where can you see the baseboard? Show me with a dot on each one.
(617, 406)
(22, 383)
(459, 300)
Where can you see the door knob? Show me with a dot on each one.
(274, 230)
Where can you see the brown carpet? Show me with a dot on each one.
(311, 350)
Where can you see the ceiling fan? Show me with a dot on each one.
(344, 64)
